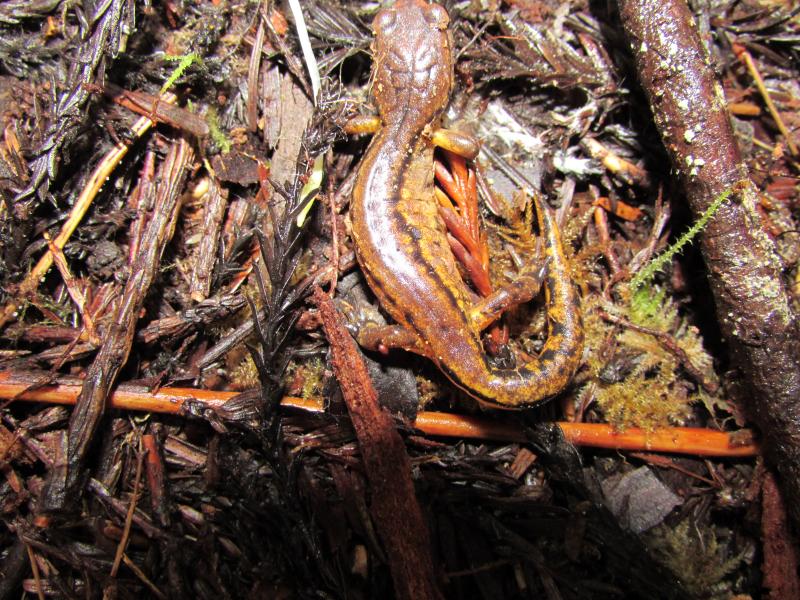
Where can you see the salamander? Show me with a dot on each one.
(401, 242)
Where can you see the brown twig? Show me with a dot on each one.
(158, 108)
(78, 296)
(140, 519)
(253, 69)
(141, 200)
(64, 480)
(216, 201)
(185, 321)
(330, 200)
(143, 578)
(745, 57)
(126, 531)
(752, 304)
(37, 578)
(601, 225)
(667, 463)
(662, 216)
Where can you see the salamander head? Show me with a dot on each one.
(413, 58)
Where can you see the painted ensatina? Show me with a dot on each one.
(400, 238)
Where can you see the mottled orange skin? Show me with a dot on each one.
(401, 242)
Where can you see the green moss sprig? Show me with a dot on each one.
(184, 62)
(659, 262)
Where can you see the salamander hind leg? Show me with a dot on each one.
(384, 338)
(523, 288)
(540, 377)
(372, 333)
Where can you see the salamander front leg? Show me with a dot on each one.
(362, 124)
(456, 142)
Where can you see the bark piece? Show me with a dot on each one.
(394, 506)
(780, 549)
(216, 201)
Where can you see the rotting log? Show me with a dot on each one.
(744, 272)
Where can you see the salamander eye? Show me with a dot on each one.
(384, 21)
(437, 16)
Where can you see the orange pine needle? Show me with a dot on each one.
(744, 109)
(169, 400)
(680, 440)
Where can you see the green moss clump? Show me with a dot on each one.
(304, 378)
(215, 131)
(643, 383)
(244, 376)
(697, 557)
(641, 401)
